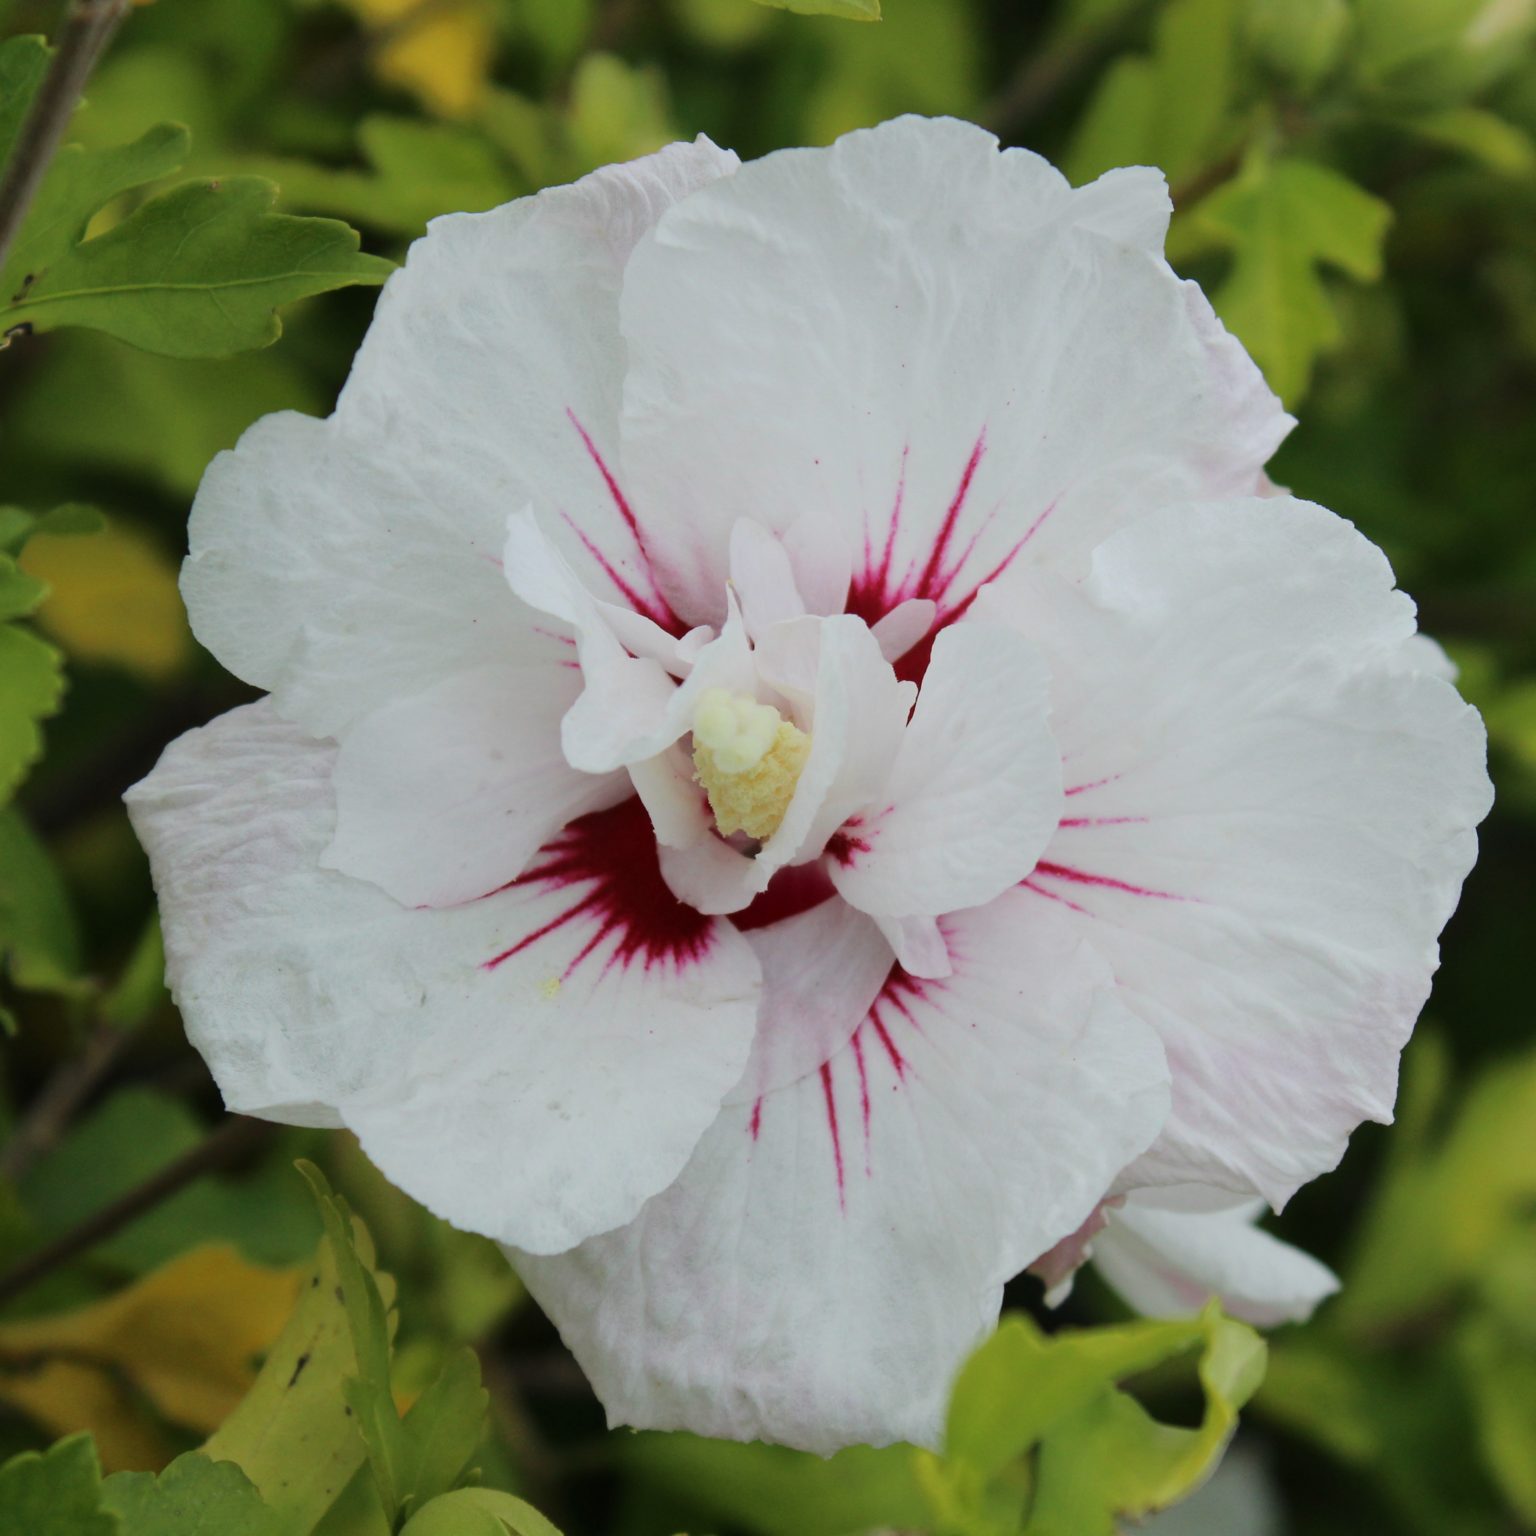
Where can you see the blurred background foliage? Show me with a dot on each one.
(1355, 184)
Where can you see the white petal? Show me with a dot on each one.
(534, 1065)
(822, 969)
(343, 563)
(763, 578)
(445, 796)
(975, 791)
(833, 1251)
(1269, 819)
(918, 944)
(1169, 1263)
(904, 626)
(912, 317)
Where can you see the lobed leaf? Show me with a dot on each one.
(292, 1434)
(31, 689)
(1285, 219)
(57, 1492)
(198, 272)
(192, 1497)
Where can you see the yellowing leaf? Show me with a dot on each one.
(184, 1339)
(442, 56)
(114, 599)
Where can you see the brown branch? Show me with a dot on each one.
(236, 1136)
(61, 1097)
(87, 31)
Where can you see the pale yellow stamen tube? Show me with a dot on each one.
(748, 758)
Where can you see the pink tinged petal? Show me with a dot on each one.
(678, 809)
(974, 794)
(1168, 1263)
(343, 563)
(832, 324)
(762, 577)
(919, 946)
(761, 1296)
(1057, 1267)
(821, 972)
(1272, 817)
(904, 625)
(537, 1100)
(443, 797)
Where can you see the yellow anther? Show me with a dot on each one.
(748, 757)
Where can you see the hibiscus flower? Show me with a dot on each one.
(798, 760)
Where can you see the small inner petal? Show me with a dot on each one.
(748, 758)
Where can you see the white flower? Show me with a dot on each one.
(570, 858)
(1169, 1250)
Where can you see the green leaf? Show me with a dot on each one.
(39, 938)
(293, 1435)
(1285, 219)
(416, 170)
(66, 521)
(1168, 109)
(478, 1512)
(779, 1492)
(20, 594)
(23, 63)
(140, 989)
(1441, 1215)
(1500, 1375)
(31, 688)
(1484, 136)
(129, 1137)
(93, 404)
(56, 1492)
(78, 184)
(197, 272)
(1113, 1460)
(854, 10)
(1303, 40)
(443, 1430)
(192, 1497)
(1098, 1454)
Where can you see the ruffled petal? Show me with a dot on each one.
(834, 1249)
(1269, 816)
(347, 562)
(534, 1065)
(932, 351)
(974, 794)
(445, 796)
(1168, 1262)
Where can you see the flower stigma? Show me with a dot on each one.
(748, 758)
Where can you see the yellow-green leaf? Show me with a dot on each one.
(853, 10)
(1284, 220)
(292, 1434)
